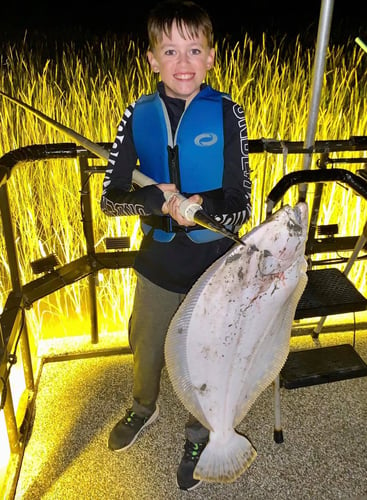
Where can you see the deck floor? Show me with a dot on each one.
(323, 456)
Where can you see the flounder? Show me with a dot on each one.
(230, 336)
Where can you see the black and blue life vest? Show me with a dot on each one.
(198, 141)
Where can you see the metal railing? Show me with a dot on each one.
(13, 327)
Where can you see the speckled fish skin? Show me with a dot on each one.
(230, 337)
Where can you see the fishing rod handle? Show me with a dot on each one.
(187, 208)
(141, 179)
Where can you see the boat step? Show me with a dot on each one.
(327, 292)
(322, 365)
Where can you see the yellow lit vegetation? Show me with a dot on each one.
(87, 88)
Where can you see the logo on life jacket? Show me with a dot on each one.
(206, 139)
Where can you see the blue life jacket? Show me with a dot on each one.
(200, 143)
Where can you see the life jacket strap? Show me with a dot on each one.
(167, 224)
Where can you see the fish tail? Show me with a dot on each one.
(225, 462)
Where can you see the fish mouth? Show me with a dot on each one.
(297, 224)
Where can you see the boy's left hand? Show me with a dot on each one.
(172, 208)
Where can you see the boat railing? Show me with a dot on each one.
(13, 325)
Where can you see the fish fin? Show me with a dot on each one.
(225, 461)
(176, 359)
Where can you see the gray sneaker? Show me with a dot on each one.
(125, 432)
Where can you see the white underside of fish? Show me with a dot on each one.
(230, 337)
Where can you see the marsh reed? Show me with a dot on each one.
(87, 87)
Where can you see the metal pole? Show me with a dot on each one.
(11, 421)
(9, 411)
(87, 217)
(8, 232)
(359, 245)
(278, 431)
(317, 80)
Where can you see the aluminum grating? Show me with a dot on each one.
(328, 292)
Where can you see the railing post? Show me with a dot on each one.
(11, 421)
(323, 34)
(316, 202)
(9, 413)
(26, 358)
(87, 219)
(9, 238)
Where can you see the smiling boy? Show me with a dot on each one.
(192, 139)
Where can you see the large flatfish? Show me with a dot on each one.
(230, 336)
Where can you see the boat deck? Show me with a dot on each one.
(323, 456)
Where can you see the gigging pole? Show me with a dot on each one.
(361, 44)
(191, 211)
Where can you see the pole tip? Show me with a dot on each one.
(361, 43)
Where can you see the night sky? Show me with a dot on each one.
(67, 18)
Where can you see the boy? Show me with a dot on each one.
(189, 138)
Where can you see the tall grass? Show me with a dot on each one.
(87, 88)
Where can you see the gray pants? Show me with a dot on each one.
(152, 312)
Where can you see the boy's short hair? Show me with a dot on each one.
(191, 19)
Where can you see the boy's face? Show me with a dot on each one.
(182, 63)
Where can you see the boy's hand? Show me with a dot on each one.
(172, 205)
